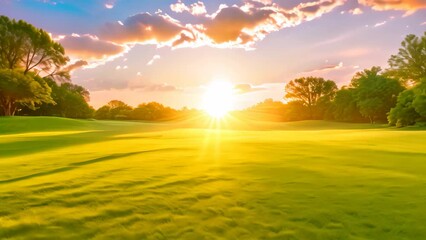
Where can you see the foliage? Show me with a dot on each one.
(153, 111)
(310, 91)
(344, 107)
(419, 102)
(71, 101)
(115, 109)
(409, 64)
(410, 108)
(18, 88)
(403, 113)
(29, 48)
(375, 94)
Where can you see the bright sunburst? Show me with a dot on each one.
(219, 98)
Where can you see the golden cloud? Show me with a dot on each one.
(90, 47)
(407, 5)
(144, 28)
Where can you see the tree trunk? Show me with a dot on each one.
(8, 107)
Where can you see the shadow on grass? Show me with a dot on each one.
(79, 164)
(30, 145)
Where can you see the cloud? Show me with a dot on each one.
(152, 87)
(356, 11)
(406, 5)
(195, 9)
(89, 47)
(237, 26)
(246, 88)
(144, 28)
(179, 7)
(109, 4)
(250, 23)
(233, 25)
(73, 66)
(230, 26)
(153, 59)
(164, 87)
(380, 24)
(325, 68)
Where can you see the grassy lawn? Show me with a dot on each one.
(74, 179)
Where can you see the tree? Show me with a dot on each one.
(71, 101)
(404, 113)
(153, 111)
(344, 107)
(115, 109)
(103, 112)
(409, 64)
(419, 102)
(23, 46)
(375, 93)
(16, 87)
(310, 91)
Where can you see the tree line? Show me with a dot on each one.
(396, 95)
(35, 80)
(152, 111)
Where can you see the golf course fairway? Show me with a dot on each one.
(79, 179)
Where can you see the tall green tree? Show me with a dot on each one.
(23, 46)
(27, 55)
(375, 93)
(409, 64)
(71, 101)
(17, 88)
(312, 92)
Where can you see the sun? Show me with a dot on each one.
(219, 98)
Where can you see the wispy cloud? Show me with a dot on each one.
(246, 88)
(153, 59)
(380, 24)
(152, 87)
(323, 68)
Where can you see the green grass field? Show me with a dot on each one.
(75, 179)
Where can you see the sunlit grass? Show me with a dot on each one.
(229, 180)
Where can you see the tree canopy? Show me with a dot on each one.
(25, 51)
(70, 101)
(16, 87)
(311, 91)
(409, 64)
(375, 93)
(23, 46)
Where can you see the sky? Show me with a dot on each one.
(170, 51)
